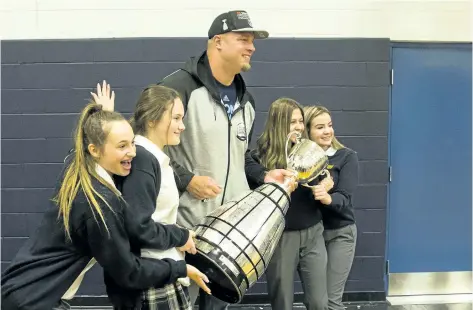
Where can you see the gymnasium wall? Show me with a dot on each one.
(335, 54)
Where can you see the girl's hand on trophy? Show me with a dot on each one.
(104, 96)
(321, 194)
(198, 277)
(327, 182)
(189, 247)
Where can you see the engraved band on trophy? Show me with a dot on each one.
(236, 241)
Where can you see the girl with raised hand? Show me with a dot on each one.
(85, 224)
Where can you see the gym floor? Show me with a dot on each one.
(352, 306)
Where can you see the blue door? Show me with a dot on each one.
(430, 193)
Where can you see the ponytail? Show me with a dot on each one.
(78, 175)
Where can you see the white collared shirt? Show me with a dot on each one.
(167, 202)
(330, 151)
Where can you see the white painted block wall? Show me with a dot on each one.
(422, 20)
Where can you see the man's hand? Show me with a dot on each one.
(198, 277)
(202, 187)
(291, 184)
(277, 175)
(189, 247)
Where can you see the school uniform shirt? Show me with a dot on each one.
(343, 167)
(48, 264)
(151, 196)
(166, 203)
(75, 286)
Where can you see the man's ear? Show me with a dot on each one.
(218, 42)
(94, 151)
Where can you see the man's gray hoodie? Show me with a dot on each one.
(212, 144)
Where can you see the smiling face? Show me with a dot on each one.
(321, 130)
(118, 151)
(169, 128)
(236, 49)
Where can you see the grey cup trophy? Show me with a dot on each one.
(307, 159)
(236, 241)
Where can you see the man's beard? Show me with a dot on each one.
(246, 67)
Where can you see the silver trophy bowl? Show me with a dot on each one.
(306, 158)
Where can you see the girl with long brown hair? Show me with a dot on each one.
(301, 246)
(153, 196)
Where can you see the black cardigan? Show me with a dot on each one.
(141, 189)
(48, 264)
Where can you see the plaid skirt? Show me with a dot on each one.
(171, 297)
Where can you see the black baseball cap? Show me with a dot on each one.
(235, 21)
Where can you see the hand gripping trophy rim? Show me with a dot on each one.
(313, 166)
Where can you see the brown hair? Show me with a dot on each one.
(92, 128)
(311, 112)
(153, 102)
(272, 142)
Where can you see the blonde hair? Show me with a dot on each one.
(311, 112)
(271, 144)
(91, 129)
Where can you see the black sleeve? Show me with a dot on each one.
(183, 83)
(255, 172)
(342, 194)
(254, 177)
(112, 251)
(182, 176)
(140, 190)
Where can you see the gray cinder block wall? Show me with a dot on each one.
(45, 83)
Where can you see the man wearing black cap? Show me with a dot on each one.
(212, 162)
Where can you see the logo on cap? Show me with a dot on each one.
(245, 16)
(224, 26)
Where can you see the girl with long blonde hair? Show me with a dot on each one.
(338, 212)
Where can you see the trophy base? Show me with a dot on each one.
(223, 285)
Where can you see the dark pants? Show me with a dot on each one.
(206, 301)
(340, 245)
(304, 251)
(62, 305)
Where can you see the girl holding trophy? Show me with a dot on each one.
(301, 246)
(338, 212)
